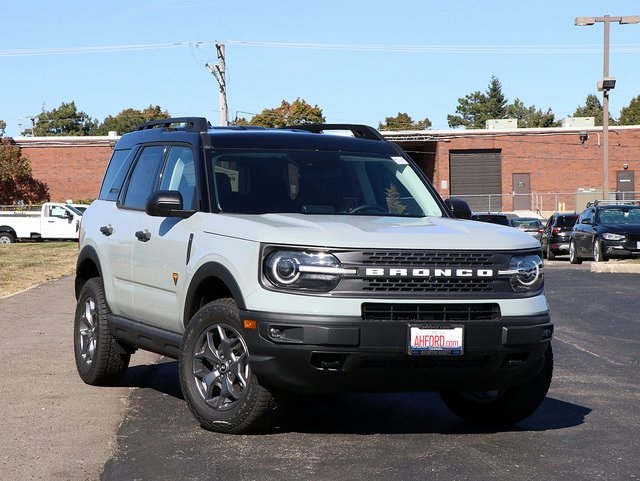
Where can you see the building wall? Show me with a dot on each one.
(72, 169)
(559, 164)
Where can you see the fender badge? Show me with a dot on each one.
(175, 278)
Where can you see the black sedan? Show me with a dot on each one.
(555, 235)
(605, 231)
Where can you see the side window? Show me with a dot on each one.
(57, 211)
(115, 175)
(179, 174)
(143, 178)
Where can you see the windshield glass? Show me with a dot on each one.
(620, 215)
(318, 182)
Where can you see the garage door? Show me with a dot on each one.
(476, 176)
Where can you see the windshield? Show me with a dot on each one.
(318, 182)
(620, 215)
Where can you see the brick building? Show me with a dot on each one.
(499, 170)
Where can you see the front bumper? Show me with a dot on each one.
(329, 354)
(623, 248)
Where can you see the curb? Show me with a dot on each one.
(615, 267)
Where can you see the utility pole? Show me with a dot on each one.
(218, 71)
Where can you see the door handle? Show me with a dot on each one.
(106, 230)
(143, 236)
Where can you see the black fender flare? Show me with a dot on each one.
(207, 271)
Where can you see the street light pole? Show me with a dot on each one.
(606, 85)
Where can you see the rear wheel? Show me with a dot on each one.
(550, 255)
(502, 406)
(216, 379)
(6, 238)
(573, 254)
(99, 359)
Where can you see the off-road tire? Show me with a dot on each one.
(216, 379)
(99, 359)
(502, 406)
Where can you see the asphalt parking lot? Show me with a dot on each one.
(57, 428)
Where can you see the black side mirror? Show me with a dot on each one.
(459, 208)
(586, 221)
(166, 203)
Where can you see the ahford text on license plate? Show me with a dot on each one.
(436, 340)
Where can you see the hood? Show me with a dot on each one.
(371, 232)
(620, 228)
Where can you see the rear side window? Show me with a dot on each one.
(115, 175)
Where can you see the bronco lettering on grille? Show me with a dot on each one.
(427, 272)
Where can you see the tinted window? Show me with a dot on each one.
(143, 178)
(178, 174)
(320, 182)
(115, 175)
(566, 221)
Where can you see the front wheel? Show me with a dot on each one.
(216, 379)
(598, 254)
(99, 360)
(502, 406)
(573, 254)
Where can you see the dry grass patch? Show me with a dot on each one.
(25, 264)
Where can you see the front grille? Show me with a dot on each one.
(633, 237)
(430, 312)
(428, 284)
(457, 259)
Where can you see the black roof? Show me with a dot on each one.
(198, 131)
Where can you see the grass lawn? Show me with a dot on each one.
(26, 264)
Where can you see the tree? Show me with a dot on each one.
(630, 115)
(530, 116)
(65, 120)
(128, 119)
(16, 182)
(3, 127)
(403, 121)
(476, 108)
(297, 113)
(593, 108)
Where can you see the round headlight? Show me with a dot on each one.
(527, 273)
(304, 270)
(284, 269)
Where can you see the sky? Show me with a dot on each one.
(359, 61)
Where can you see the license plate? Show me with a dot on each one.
(436, 340)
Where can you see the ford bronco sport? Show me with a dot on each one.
(270, 261)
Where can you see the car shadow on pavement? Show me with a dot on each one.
(161, 377)
(396, 413)
(368, 413)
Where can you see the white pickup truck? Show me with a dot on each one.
(50, 221)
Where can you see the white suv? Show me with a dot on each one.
(293, 260)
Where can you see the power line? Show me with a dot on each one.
(450, 49)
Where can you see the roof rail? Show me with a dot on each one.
(358, 130)
(190, 124)
(613, 202)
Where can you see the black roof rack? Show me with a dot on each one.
(358, 130)
(613, 202)
(191, 124)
